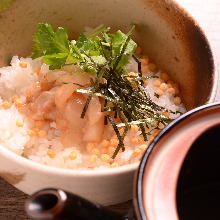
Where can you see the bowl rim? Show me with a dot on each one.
(138, 190)
(128, 167)
(213, 57)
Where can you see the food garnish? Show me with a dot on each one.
(106, 55)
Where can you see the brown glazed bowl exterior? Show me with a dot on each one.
(157, 177)
(168, 35)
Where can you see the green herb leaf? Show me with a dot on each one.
(52, 44)
(84, 44)
(38, 53)
(55, 60)
(75, 55)
(100, 60)
(124, 61)
(94, 53)
(118, 41)
(96, 31)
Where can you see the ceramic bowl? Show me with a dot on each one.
(167, 33)
(179, 176)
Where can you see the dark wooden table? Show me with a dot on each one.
(208, 15)
(12, 203)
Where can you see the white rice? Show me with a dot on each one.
(15, 80)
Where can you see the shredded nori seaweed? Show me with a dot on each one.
(130, 100)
